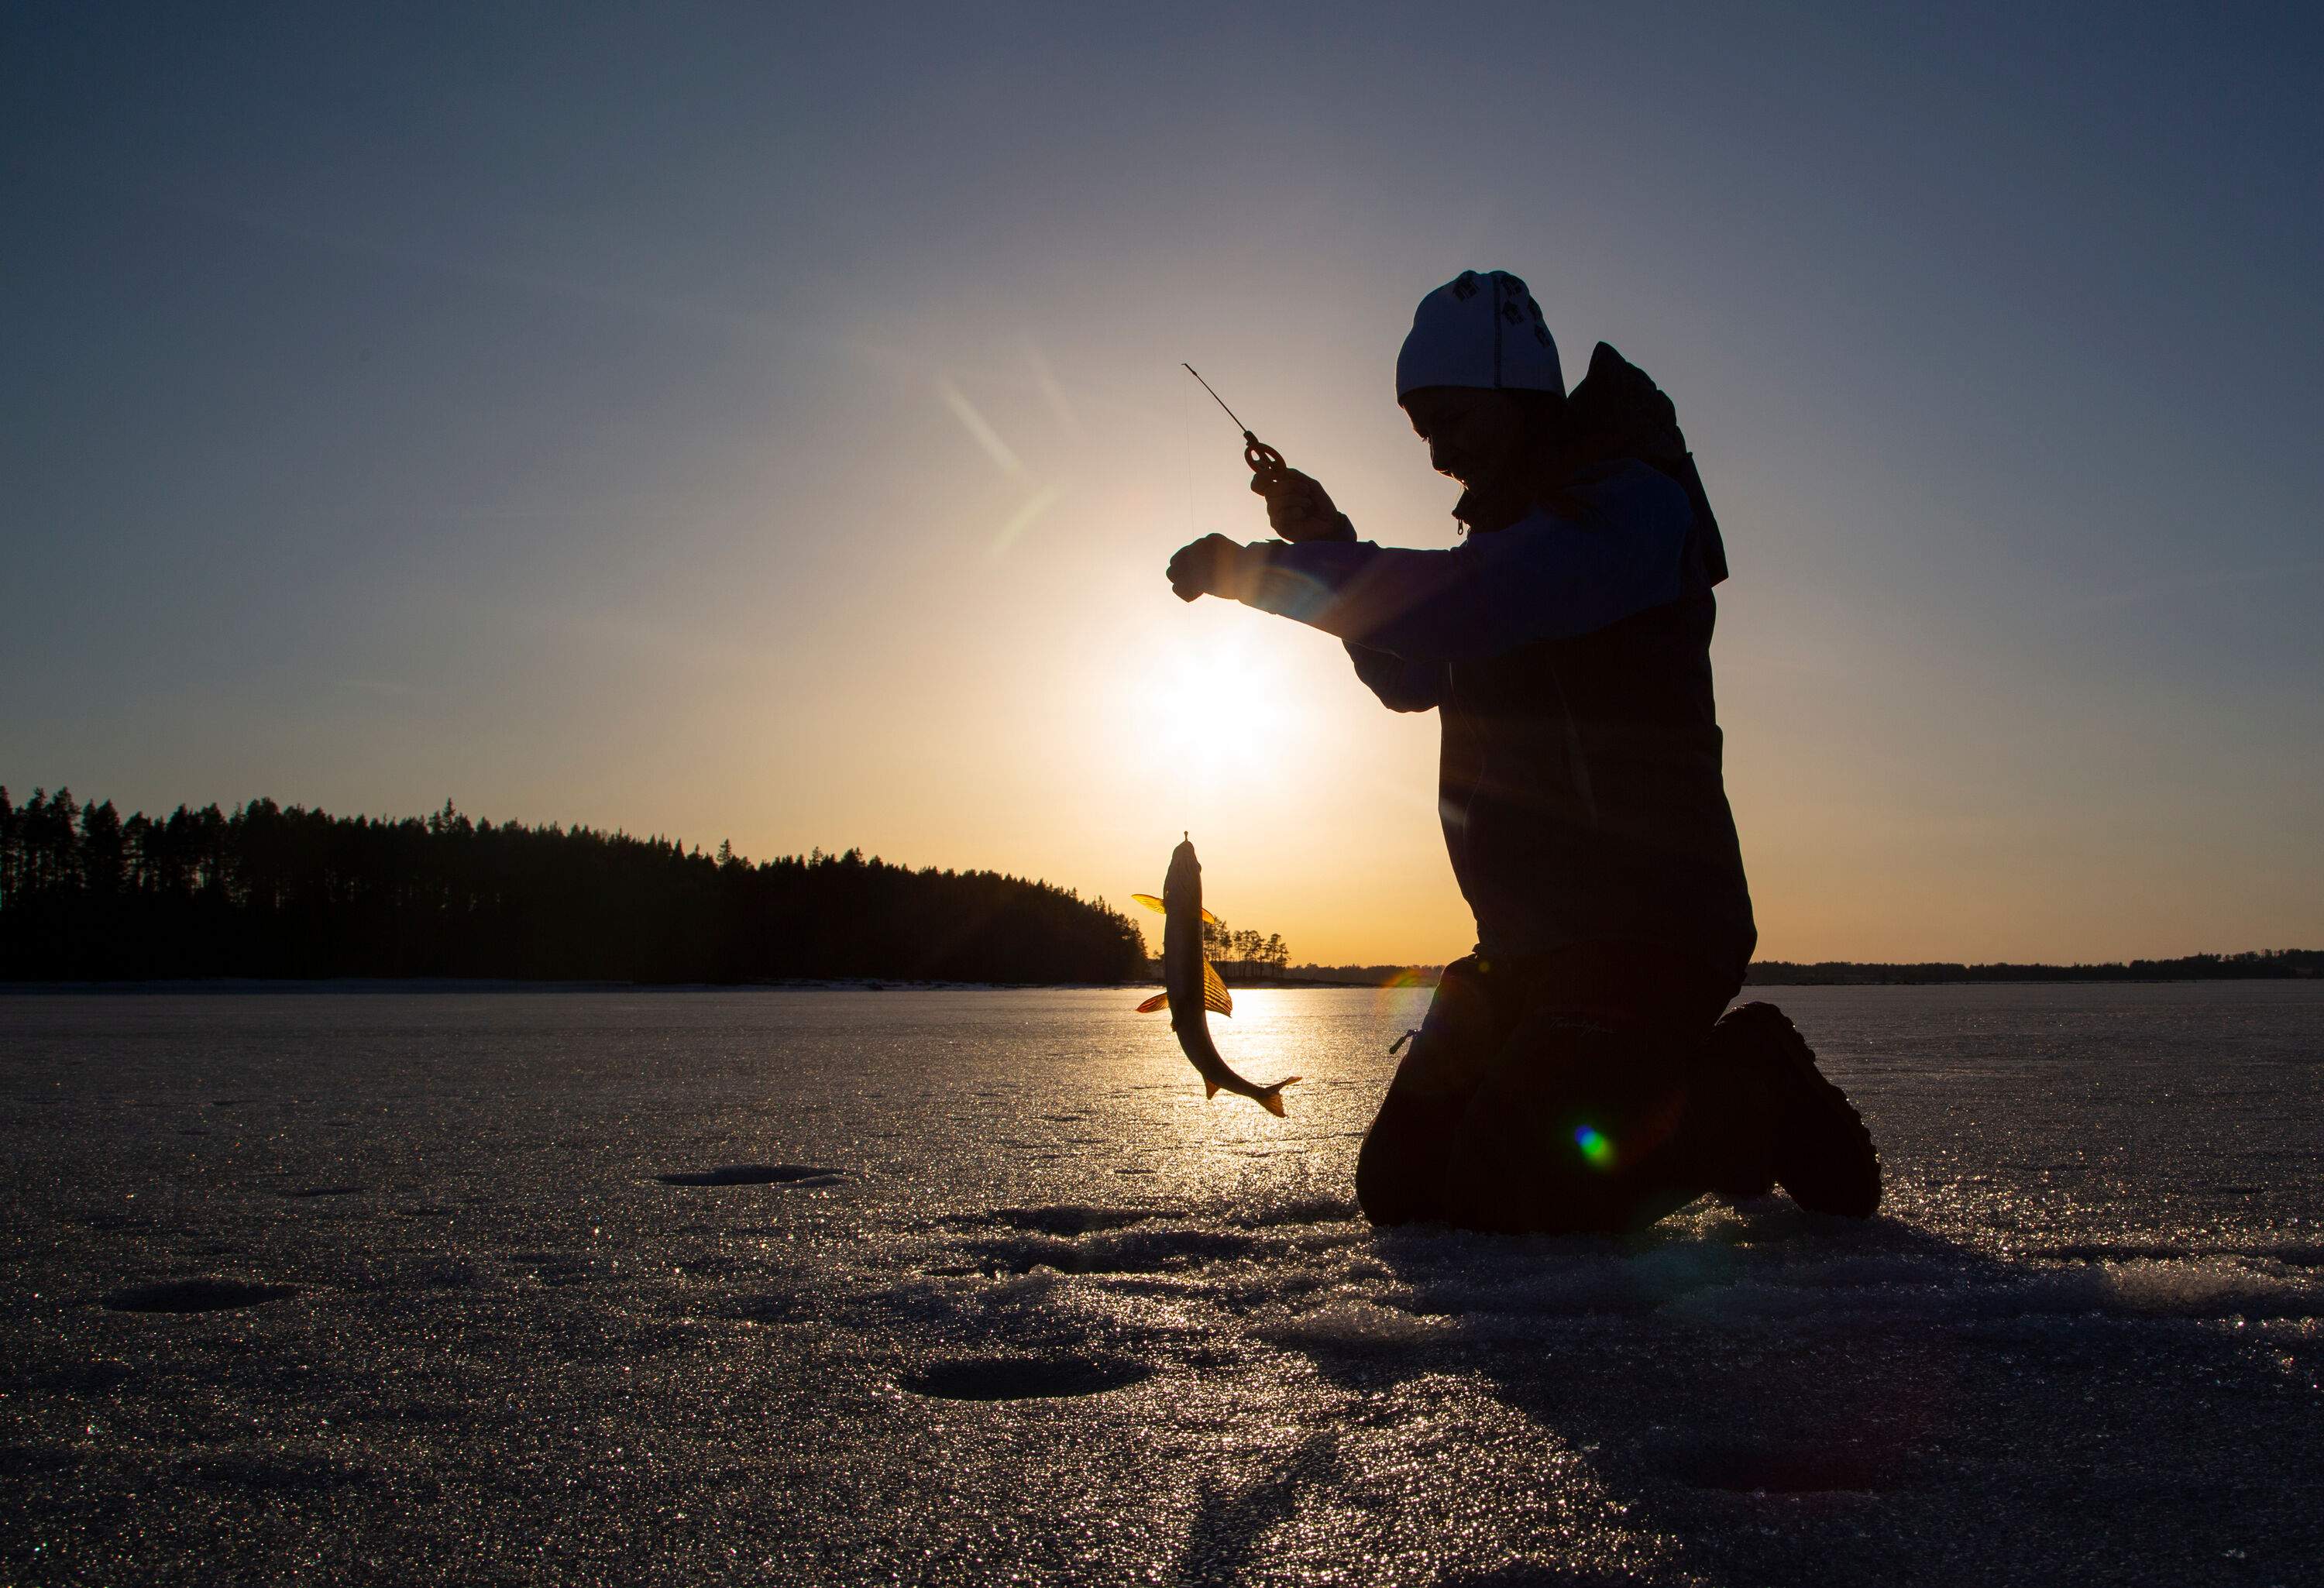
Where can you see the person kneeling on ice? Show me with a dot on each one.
(1575, 1072)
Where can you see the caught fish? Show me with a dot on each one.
(1191, 988)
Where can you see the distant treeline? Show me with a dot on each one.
(1367, 975)
(2264, 964)
(266, 891)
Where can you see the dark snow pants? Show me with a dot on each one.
(1580, 1092)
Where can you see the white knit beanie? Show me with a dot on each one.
(1479, 330)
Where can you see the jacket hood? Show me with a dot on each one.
(1616, 414)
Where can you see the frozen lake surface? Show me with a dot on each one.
(378, 1286)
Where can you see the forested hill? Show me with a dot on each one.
(266, 891)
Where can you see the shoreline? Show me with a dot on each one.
(220, 986)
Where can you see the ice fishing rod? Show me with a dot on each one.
(1265, 461)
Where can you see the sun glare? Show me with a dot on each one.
(1216, 711)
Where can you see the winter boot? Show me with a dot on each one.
(1818, 1149)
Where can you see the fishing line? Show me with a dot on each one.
(1186, 459)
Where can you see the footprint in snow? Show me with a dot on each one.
(1023, 1378)
(754, 1174)
(203, 1295)
(1069, 1219)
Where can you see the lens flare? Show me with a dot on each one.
(1022, 519)
(1004, 457)
(1404, 998)
(1595, 1148)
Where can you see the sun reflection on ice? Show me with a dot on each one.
(1266, 1038)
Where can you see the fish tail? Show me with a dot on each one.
(1270, 1098)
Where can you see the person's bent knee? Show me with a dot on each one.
(1568, 1135)
(1400, 1168)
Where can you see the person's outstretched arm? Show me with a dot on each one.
(1541, 578)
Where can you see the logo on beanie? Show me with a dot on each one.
(1512, 292)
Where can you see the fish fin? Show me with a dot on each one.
(1271, 1099)
(1152, 903)
(1214, 992)
(1210, 1088)
(1210, 917)
(1159, 1001)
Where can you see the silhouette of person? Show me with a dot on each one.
(1575, 1072)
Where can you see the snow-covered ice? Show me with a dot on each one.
(831, 1286)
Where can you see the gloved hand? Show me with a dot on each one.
(1297, 508)
(1212, 566)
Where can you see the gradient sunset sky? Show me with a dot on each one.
(766, 423)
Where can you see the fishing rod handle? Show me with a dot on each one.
(1265, 461)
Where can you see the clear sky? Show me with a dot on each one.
(766, 423)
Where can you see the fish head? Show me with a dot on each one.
(1186, 879)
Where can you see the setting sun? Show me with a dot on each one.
(1216, 709)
